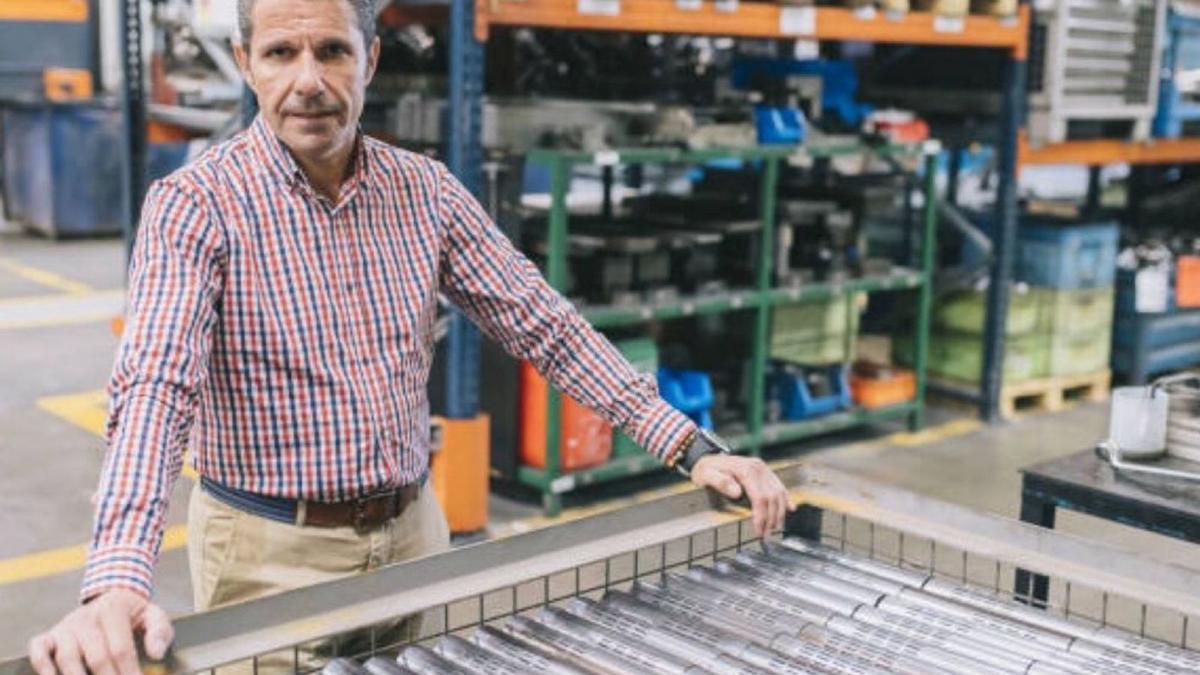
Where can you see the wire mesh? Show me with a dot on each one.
(592, 579)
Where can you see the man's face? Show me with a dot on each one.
(308, 66)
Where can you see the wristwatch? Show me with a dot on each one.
(704, 443)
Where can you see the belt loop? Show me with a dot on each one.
(301, 511)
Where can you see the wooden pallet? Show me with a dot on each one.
(1049, 394)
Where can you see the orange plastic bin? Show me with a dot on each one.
(585, 439)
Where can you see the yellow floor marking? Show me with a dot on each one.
(68, 559)
(60, 309)
(43, 277)
(89, 411)
(935, 434)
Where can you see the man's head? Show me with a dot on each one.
(309, 62)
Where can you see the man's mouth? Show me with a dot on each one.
(313, 114)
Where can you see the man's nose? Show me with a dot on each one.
(309, 82)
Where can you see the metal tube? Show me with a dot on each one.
(567, 647)
(779, 581)
(651, 658)
(800, 565)
(344, 667)
(890, 572)
(426, 662)
(378, 665)
(522, 654)
(473, 658)
(804, 611)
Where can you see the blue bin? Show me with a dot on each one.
(1180, 55)
(779, 125)
(787, 389)
(1126, 302)
(62, 174)
(1067, 256)
(1147, 345)
(688, 391)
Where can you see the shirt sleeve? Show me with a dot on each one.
(505, 294)
(174, 281)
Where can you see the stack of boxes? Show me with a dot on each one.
(1060, 310)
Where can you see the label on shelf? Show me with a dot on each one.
(797, 20)
(865, 13)
(562, 484)
(949, 24)
(606, 158)
(726, 5)
(600, 7)
(687, 5)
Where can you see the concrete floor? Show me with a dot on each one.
(56, 356)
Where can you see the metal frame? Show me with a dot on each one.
(488, 582)
(133, 111)
(552, 482)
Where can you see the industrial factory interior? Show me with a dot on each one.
(600, 337)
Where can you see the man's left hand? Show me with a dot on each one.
(735, 476)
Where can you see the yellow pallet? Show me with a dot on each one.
(1050, 394)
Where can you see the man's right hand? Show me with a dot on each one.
(100, 635)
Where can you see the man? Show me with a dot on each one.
(282, 297)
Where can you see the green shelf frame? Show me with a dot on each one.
(761, 299)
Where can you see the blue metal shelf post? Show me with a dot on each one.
(464, 156)
(133, 113)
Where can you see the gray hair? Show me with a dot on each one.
(364, 10)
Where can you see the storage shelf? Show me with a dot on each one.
(756, 20)
(827, 148)
(636, 465)
(1102, 152)
(608, 316)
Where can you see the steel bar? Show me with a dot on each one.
(566, 646)
(378, 665)
(527, 656)
(473, 658)
(653, 659)
(426, 662)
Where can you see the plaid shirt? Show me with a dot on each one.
(287, 339)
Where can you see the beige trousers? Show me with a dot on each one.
(235, 556)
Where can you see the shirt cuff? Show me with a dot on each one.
(662, 430)
(112, 567)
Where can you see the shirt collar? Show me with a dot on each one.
(276, 158)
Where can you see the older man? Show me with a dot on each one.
(282, 297)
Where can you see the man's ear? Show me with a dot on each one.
(372, 58)
(243, 61)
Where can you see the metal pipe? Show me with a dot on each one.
(521, 653)
(676, 643)
(652, 658)
(568, 647)
(378, 665)
(891, 572)
(781, 582)
(801, 563)
(426, 662)
(708, 581)
(344, 667)
(471, 657)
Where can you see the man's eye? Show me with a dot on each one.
(278, 52)
(336, 50)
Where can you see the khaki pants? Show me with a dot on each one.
(235, 556)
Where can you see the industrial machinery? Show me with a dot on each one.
(869, 579)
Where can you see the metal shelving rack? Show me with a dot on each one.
(761, 298)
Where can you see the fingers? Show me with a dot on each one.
(94, 646)
(158, 632)
(66, 653)
(119, 636)
(41, 651)
(768, 498)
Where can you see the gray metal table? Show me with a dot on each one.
(1085, 483)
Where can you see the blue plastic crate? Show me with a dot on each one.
(1146, 345)
(688, 391)
(1181, 53)
(1126, 302)
(1067, 256)
(787, 390)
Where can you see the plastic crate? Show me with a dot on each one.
(688, 391)
(1146, 345)
(1127, 295)
(1187, 281)
(966, 311)
(585, 439)
(1074, 312)
(1067, 256)
(1181, 54)
(815, 333)
(790, 398)
(960, 357)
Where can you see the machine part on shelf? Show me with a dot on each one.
(522, 654)
(378, 665)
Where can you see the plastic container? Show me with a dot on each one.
(1078, 353)
(688, 391)
(458, 472)
(1066, 256)
(966, 311)
(1137, 422)
(1187, 281)
(1145, 345)
(585, 439)
(960, 357)
(876, 387)
(642, 354)
(789, 393)
(815, 333)
(1074, 312)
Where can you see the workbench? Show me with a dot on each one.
(1086, 483)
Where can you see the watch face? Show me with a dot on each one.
(715, 440)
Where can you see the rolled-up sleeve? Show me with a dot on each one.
(175, 279)
(505, 294)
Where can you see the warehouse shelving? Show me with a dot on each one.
(1109, 151)
(751, 436)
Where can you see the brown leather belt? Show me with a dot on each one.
(363, 513)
